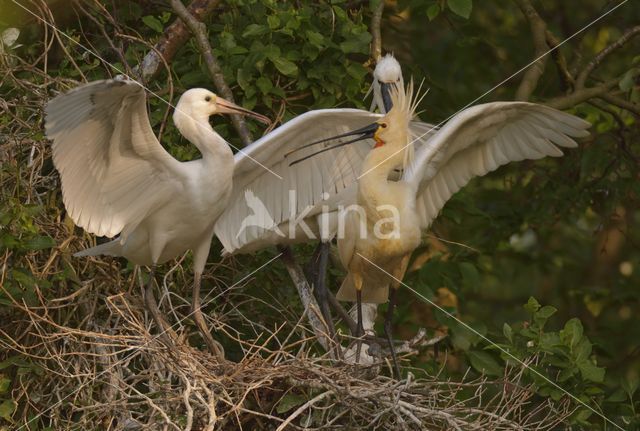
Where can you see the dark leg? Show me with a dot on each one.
(320, 286)
(387, 330)
(359, 328)
(166, 333)
(198, 318)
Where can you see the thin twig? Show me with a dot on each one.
(376, 36)
(597, 60)
(199, 31)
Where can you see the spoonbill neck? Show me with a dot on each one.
(374, 186)
(200, 133)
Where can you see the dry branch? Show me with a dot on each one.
(538, 32)
(376, 36)
(199, 31)
(597, 60)
(172, 39)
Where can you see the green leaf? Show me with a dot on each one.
(470, 275)
(5, 382)
(543, 314)
(627, 81)
(572, 332)
(285, 66)
(433, 11)
(6, 410)
(630, 385)
(243, 76)
(153, 23)
(590, 371)
(508, 332)
(39, 243)
(255, 30)
(273, 21)
(264, 84)
(484, 362)
(532, 305)
(460, 7)
(316, 39)
(288, 402)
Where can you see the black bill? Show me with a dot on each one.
(366, 132)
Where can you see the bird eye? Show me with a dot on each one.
(383, 125)
(208, 98)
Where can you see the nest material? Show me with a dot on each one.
(123, 377)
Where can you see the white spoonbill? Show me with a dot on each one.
(395, 213)
(295, 197)
(118, 180)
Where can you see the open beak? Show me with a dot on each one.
(385, 92)
(366, 132)
(225, 107)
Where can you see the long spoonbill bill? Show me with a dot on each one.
(378, 241)
(118, 180)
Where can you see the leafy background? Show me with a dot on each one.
(562, 231)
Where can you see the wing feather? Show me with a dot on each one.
(108, 158)
(479, 140)
(332, 172)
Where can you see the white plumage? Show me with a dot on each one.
(118, 180)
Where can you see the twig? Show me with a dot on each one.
(302, 408)
(538, 32)
(306, 296)
(172, 39)
(568, 82)
(581, 95)
(199, 31)
(376, 37)
(621, 103)
(626, 37)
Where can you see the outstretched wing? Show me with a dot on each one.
(288, 192)
(113, 169)
(480, 139)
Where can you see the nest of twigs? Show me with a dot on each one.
(114, 372)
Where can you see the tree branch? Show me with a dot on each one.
(172, 39)
(581, 95)
(626, 37)
(306, 296)
(568, 82)
(621, 103)
(199, 31)
(376, 41)
(538, 31)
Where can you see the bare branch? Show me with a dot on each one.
(538, 32)
(621, 103)
(172, 39)
(199, 31)
(568, 82)
(376, 41)
(306, 296)
(581, 95)
(626, 37)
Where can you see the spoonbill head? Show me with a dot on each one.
(386, 77)
(197, 103)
